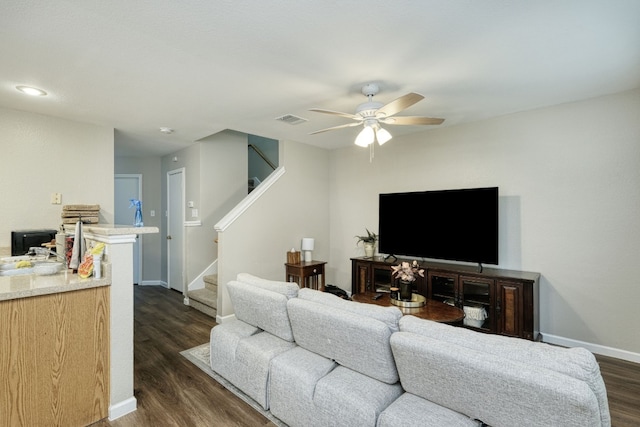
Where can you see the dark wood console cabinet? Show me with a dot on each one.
(507, 299)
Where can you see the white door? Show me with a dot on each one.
(175, 229)
(129, 187)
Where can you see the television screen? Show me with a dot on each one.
(457, 225)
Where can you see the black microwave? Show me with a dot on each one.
(22, 240)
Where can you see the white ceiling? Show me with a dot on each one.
(202, 66)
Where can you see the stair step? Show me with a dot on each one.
(205, 296)
(211, 282)
(206, 299)
(209, 311)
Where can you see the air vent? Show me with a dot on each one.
(291, 119)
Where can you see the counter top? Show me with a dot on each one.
(111, 229)
(29, 285)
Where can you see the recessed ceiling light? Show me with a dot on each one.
(33, 91)
(166, 130)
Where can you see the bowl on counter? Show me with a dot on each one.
(47, 268)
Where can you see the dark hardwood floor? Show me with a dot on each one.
(171, 391)
(622, 379)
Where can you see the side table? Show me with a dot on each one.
(306, 274)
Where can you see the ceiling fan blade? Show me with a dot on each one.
(348, 125)
(411, 120)
(397, 105)
(336, 113)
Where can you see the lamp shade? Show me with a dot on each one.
(307, 243)
(382, 135)
(365, 137)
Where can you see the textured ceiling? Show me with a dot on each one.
(202, 66)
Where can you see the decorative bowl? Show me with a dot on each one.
(47, 268)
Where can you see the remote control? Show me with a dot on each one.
(377, 296)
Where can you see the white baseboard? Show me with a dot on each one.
(594, 348)
(221, 319)
(154, 283)
(122, 408)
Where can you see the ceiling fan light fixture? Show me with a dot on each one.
(382, 135)
(365, 137)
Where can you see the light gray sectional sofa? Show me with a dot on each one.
(313, 359)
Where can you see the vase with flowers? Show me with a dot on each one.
(406, 273)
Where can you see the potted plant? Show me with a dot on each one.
(369, 243)
(407, 274)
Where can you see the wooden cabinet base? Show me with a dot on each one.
(503, 301)
(54, 359)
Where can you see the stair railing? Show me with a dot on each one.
(263, 156)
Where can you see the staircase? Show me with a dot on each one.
(206, 299)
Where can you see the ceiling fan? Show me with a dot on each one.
(372, 114)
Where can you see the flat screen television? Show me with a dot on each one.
(457, 225)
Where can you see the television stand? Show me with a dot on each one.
(497, 301)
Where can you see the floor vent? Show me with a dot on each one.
(291, 119)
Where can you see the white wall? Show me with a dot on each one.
(294, 207)
(223, 184)
(150, 169)
(42, 155)
(215, 181)
(569, 204)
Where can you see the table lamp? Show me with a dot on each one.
(307, 247)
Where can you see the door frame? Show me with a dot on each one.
(181, 172)
(137, 253)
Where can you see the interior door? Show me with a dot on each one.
(129, 187)
(175, 229)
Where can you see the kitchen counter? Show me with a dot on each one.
(55, 350)
(29, 285)
(112, 296)
(111, 230)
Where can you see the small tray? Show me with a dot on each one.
(417, 300)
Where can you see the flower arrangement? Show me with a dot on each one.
(407, 272)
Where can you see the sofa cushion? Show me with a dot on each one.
(307, 389)
(288, 289)
(224, 339)
(262, 306)
(388, 315)
(494, 389)
(410, 410)
(292, 385)
(356, 341)
(578, 363)
(242, 354)
(348, 398)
